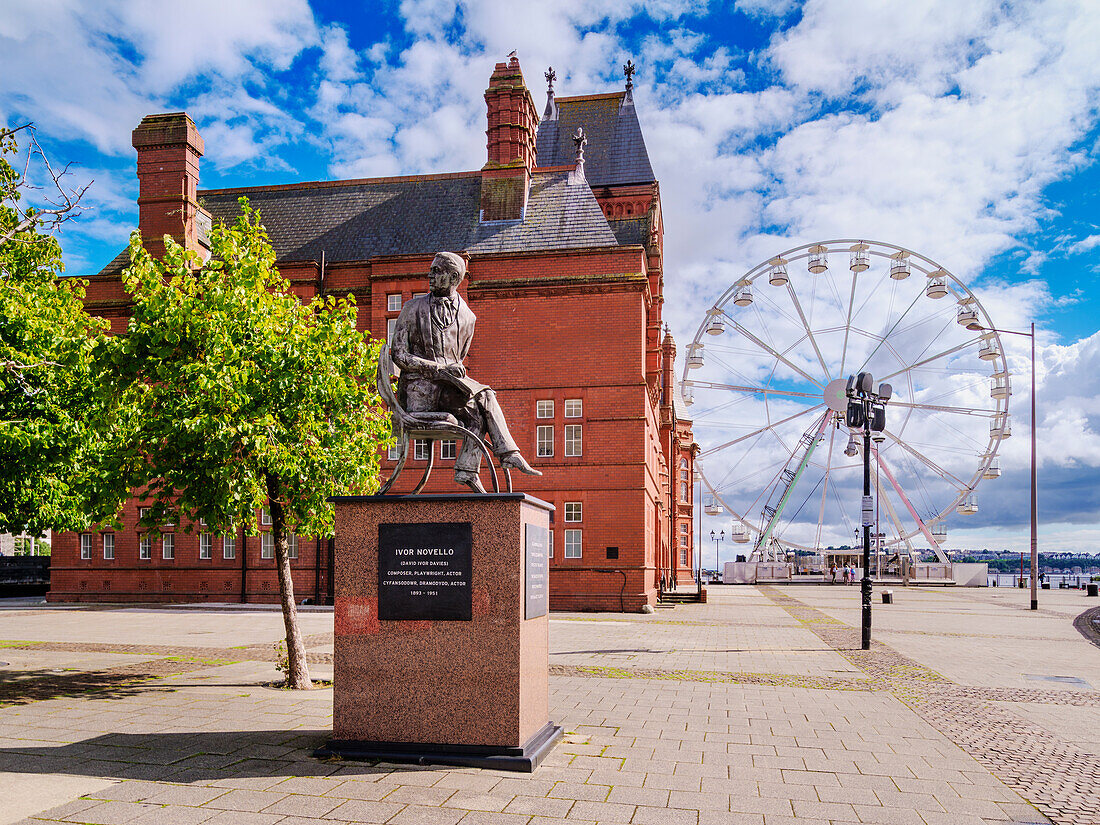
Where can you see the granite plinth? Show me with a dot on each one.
(438, 691)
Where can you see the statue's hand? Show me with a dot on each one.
(454, 370)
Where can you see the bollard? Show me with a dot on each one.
(887, 596)
(1094, 589)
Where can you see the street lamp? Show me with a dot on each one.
(977, 327)
(720, 537)
(867, 413)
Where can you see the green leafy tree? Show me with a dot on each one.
(241, 396)
(53, 416)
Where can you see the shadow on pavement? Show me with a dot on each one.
(178, 757)
(20, 687)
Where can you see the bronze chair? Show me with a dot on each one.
(430, 426)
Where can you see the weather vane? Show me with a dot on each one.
(629, 70)
(550, 76)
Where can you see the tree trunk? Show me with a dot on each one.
(298, 669)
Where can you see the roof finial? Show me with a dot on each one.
(629, 70)
(551, 112)
(513, 59)
(579, 141)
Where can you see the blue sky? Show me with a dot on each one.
(966, 131)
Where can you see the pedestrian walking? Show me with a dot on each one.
(832, 573)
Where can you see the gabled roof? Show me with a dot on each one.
(615, 153)
(363, 219)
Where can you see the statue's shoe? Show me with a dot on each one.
(514, 461)
(470, 479)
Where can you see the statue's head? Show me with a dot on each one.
(447, 272)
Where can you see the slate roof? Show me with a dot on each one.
(615, 152)
(631, 231)
(359, 220)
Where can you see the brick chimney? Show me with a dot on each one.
(168, 149)
(513, 122)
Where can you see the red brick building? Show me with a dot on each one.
(566, 277)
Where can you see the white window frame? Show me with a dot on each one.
(544, 440)
(145, 547)
(85, 545)
(168, 546)
(169, 520)
(574, 511)
(391, 328)
(265, 517)
(421, 449)
(392, 453)
(393, 302)
(574, 546)
(551, 544)
(267, 545)
(574, 408)
(685, 492)
(229, 547)
(573, 440)
(108, 546)
(544, 408)
(292, 545)
(683, 556)
(206, 546)
(143, 512)
(684, 537)
(448, 448)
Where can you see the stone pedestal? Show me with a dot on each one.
(441, 630)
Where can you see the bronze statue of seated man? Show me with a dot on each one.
(430, 342)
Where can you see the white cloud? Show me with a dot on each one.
(92, 70)
(1085, 244)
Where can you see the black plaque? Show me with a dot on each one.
(425, 571)
(537, 602)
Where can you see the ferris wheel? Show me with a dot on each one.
(766, 376)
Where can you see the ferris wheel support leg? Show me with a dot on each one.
(913, 512)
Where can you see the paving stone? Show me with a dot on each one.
(427, 815)
(301, 805)
(356, 810)
(539, 806)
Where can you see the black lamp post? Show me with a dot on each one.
(866, 413)
(720, 537)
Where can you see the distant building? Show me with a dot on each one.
(563, 233)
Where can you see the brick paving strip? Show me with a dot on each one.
(1088, 624)
(1062, 781)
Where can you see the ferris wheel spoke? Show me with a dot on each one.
(765, 428)
(889, 332)
(932, 465)
(936, 337)
(931, 358)
(775, 353)
(712, 385)
(985, 413)
(848, 324)
(809, 333)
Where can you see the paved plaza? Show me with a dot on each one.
(757, 708)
